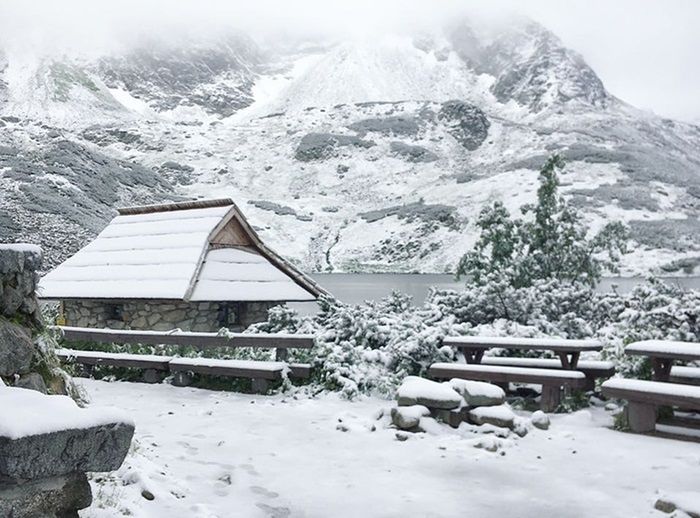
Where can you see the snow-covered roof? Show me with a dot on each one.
(199, 251)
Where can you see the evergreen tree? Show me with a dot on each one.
(549, 242)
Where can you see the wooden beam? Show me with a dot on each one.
(169, 207)
(199, 340)
(508, 375)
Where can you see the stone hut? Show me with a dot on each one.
(197, 266)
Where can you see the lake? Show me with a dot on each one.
(355, 288)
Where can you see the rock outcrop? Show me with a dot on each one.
(47, 442)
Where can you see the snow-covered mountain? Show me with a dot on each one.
(372, 155)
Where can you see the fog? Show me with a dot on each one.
(646, 51)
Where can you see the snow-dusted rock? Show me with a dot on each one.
(47, 436)
(453, 417)
(56, 496)
(408, 417)
(501, 416)
(478, 393)
(521, 426)
(687, 502)
(487, 443)
(32, 381)
(420, 391)
(540, 420)
(16, 349)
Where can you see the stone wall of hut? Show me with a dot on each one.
(164, 315)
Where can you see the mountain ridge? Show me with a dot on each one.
(356, 155)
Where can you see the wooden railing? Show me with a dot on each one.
(280, 342)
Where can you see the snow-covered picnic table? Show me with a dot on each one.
(663, 353)
(568, 351)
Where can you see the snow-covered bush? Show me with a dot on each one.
(365, 348)
(371, 347)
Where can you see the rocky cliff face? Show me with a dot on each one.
(218, 78)
(311, 138)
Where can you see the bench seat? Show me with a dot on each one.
(133, 361)
(551, 380)
(685, 375)
(261, 372)
(645, 396)
(505, 374)
(232, 368)
(654, 392)
(590, 368)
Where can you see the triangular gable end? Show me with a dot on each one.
(234, 231)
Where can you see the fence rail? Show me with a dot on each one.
(278, 341)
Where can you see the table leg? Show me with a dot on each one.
(573, 361)
(564, 361)
(473, 355)
(569, 362)
(661, 368)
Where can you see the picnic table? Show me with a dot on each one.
(568, 351)
(663, 353)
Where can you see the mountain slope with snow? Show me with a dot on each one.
(354, 155)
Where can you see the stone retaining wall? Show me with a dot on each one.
(42, 468)
(18, 282)
(162, 315)
(20, 319)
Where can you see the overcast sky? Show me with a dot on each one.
(646, 51)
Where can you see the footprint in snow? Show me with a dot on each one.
(250, 469)
(191, 450)
(275, 512)
(263, 492)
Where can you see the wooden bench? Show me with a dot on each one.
(685, 375)
(592, 369)
(260, 372)
(279, 341)
(663, 353)
(568, 351)
(552, 381)
(151, 364)
(645, 397)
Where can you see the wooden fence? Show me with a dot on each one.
(280, 342)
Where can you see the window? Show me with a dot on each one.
(115, 312)
(228, 314)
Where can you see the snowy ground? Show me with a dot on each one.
(207, 454)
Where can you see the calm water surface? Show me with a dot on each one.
(354, 288)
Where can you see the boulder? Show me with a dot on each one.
(55, 497)
(453, 417)
(540, 420)
(320, 146)
(687, 502)
(32, 381)
(50, 436)
(408, 417)
(18, 279)
(465, 122)
(501, 416)
(395, 125)
(420, 391)
(412, 153)
(478, 393)
(98, 448)
(16, 349)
